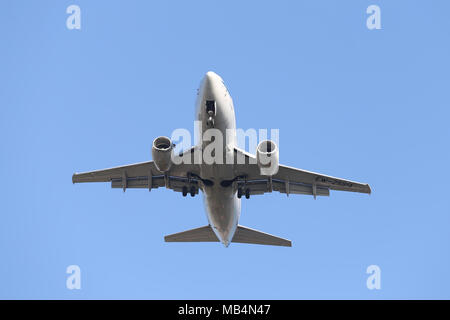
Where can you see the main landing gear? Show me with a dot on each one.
(241, 192)
(192, 191)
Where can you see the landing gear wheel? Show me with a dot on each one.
(247, 194)
(185, 191)
(210, 122)
(192, 192)
(239, 195)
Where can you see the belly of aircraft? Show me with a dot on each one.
(223, 210)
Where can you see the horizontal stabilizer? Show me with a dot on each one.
(202, 234)
(247, 235)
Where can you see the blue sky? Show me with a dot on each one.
(367, 105)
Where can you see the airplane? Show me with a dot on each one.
(223, 184)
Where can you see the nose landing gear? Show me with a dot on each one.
(210, 121)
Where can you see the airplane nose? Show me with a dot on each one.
(210, 85)
(210, 75)
(209, 78)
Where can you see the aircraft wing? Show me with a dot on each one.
(146, 175)
(290, 180)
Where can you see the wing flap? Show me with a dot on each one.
(106, 175)
(263, 186)
(312, 178)
(153, 182)
(181, 176)
(291, 180)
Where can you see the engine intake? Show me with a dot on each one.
(162, 153)
(267, 158)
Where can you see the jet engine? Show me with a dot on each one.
(162, 153)
(267, 157)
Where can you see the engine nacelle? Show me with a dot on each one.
(267, 158)
(162, 153)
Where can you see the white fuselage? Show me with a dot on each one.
(222, 205)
